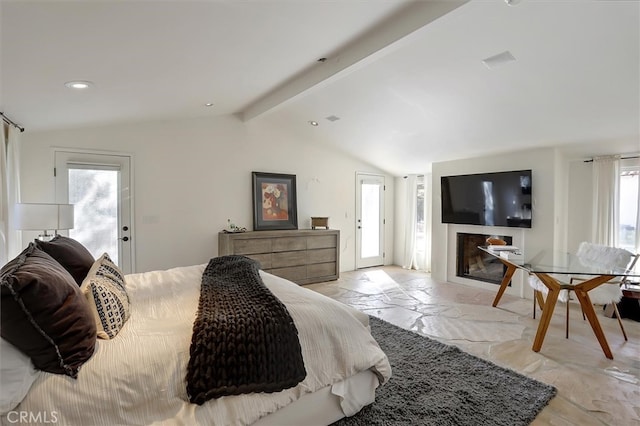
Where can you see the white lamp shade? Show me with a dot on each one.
(38, 217)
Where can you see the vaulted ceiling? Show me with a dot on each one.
(400, 84)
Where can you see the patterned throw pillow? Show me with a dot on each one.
(104, 288)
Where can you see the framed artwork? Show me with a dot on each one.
(274, 201)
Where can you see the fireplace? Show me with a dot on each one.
(475, 264)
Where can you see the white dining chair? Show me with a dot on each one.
(612, 257)
(610, 292)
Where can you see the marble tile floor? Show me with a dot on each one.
(592, 390)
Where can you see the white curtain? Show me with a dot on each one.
(427, 222)
(409, 256)
(10, 239)
(606, 200)
(417, 242)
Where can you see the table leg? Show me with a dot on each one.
(511, 269)
(547, 311)
(537, 295)
(581, 291)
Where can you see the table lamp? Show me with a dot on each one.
(43, 217)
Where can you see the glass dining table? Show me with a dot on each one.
(546, 265)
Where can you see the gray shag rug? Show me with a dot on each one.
(438, 384)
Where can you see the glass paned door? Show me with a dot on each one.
(98, 185)
(94, 194)
(369, 220)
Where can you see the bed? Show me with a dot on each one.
(137, 377)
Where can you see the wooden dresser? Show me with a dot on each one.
(302, 256)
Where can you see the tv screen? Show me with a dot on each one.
(490, 199)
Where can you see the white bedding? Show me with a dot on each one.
(138, 377)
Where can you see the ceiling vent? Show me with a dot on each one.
(498, 60)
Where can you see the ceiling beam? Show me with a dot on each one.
(373, 44)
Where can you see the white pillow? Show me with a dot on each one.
(17, 374)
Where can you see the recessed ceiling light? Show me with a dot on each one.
(512, 2)
(313, 123)
(78, 84)
(208, 104)
(333, 118)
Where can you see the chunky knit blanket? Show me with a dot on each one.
(244, 339)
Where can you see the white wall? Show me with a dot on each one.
(190, 176)
(561, 189)
(562, 207)
(580, 202)
(547, 213)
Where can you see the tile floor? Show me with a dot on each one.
(592, 390)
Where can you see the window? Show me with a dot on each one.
(629, 181)
(94, 193)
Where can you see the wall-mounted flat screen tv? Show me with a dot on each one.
(489, 199)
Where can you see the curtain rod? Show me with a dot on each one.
(622, 158)
(11, 122)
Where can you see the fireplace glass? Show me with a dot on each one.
(475, 264)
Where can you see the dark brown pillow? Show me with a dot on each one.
(73, 256)
(44, 313)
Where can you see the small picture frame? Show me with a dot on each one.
(274, 201)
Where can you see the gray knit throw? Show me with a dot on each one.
(244, 339)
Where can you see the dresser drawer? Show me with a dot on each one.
(294, 273)
(322, 241)
(288, 258)
(321, 255)
(250, 246)
(289, 244)
(264, 259)
(322, 270)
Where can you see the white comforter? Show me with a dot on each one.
(138, 377)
